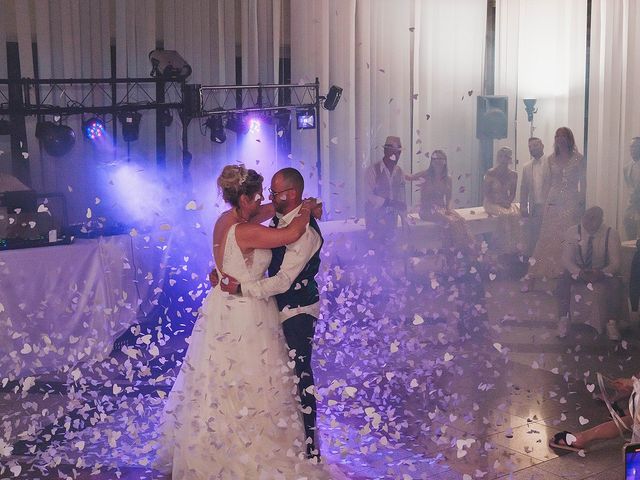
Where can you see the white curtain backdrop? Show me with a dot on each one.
(540, 53)
(448, 74)
(366, 48)
(380, 52)
(310, 30)
(73, 41)
(383, 88)
(614, 118)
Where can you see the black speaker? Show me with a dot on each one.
(191, 102)
(491, 117)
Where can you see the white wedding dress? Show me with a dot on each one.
(233, 412)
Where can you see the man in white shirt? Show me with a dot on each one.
(632, 181)
(386, 195)
(533, 190)
(591, 254)
(292, 281)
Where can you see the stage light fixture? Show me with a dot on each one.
(237, 123)
(215, 123)
(306, 119)
(130, 125)
(332, 98)
(56, 139)
(5, 127)
(254, 125)
(93, 128)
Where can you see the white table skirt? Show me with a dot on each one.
(63, 305)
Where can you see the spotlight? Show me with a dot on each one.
(306, 119)
(236, 123)
(5, 128)
(56, 139)
(332, 98)
(93, 128)
(130, 125)
(254, 125)
(530, 107)
(215, 123)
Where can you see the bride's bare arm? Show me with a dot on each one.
(251, 235)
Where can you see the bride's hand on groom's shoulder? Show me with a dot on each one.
(315, 206)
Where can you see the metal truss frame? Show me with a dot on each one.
(74, 96)
(238, 99)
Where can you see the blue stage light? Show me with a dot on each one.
(93, 128)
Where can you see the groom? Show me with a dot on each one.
(292, 280)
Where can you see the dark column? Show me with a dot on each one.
(19, 166)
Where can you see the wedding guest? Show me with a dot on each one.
(500, 184)
(435, 201)
(533, 190)
(591, 254)
(574, 442)
(564, 205)
(386, 195)
(632, 181)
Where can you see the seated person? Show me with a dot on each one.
(435, 201)
(591, 254)
(605, 431)
(499, 188)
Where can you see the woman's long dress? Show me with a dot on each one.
(233, 412)
(434, 193)
(563, 208)
(509, 236)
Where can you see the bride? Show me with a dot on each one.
(233, 412)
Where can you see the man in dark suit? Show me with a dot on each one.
(292, 281)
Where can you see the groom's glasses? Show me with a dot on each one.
(273, 194)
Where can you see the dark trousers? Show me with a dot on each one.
(613, 292)
(299, 332)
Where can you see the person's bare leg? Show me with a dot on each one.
(604, 431)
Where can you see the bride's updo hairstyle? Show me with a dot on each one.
(236, 180)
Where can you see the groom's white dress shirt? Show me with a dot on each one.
(296, 256)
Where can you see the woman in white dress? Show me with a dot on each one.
(233, 412)
(499, 192)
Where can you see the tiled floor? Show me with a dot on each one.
(452, 408)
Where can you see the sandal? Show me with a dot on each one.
(559, 441)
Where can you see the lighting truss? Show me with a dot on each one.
(253, 98)
(101, 95)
